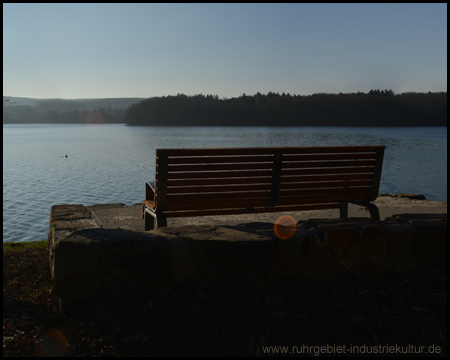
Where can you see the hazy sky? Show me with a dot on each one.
(145, 50)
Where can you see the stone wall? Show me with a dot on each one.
(92, 263)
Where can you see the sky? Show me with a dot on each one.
(143, 50)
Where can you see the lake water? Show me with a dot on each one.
(111, 163)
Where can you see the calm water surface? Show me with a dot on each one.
(110, 163)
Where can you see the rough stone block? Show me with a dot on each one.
(353, 244)
(293, 260)
(90, 262)
(74, 224)
(327, 245)
(69, 212)
(430, 245)
(69, 218)
(96, 264)
(217, 253)
(401, 246)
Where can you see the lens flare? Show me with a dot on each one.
(285, 227)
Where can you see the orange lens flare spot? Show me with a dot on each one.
(285, 227)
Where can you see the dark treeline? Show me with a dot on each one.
(376, 108)
(57, 111)
(23, 114)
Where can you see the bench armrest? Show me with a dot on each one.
(149, 192)
(149, 196)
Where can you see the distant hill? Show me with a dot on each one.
(73, 104)
(32, 110)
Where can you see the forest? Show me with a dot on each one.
(375, 108)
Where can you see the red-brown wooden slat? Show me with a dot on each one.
(255, 202)
(269, 150)
(236, 197)
(326, 177)
(217, 188)
(259, 173)
(220, 181)
(221, 174)
(259, 166)
(199, 197)
(325, 184)
(266, 187)
(326, 164)
(216, 204)
(360, 194)
(266, 158)
(316, 157)
(266, 180)
(219, 167)
(344, 170)
(219, 159)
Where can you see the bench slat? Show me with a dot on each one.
(268, 173)
(290, 177)
(224, 174)
(266, 158)
(238, 195)
(266, 186)
(268, 150)
(260, 198)
(262, 201)
(265, 180)
(325, 171)
(260, 166)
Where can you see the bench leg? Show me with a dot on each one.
(372, 208)
(160, 221)
(154, 221)
(343, 210)
(149, 221)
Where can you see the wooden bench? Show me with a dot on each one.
(199, 182)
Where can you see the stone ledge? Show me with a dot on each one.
(324, 246)
(416, 241)
(90, 262)
(410, 196)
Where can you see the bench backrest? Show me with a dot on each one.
(237, 180)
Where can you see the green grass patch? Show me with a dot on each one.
(19, 246)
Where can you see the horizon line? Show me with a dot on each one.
(223, 97)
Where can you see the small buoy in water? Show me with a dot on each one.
(66, 155)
